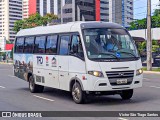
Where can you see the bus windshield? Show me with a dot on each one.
(103, 43)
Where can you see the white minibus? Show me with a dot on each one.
(97, 58)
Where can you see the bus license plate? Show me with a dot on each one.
(121, 81)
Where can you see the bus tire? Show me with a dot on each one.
(33, 87)
(126, 94)
(78, 95)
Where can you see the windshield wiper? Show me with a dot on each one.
(129, 53)
(109, 54)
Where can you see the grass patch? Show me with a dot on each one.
(153, 69)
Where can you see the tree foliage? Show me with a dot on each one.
(156, 12)
(142, 46)
(34, 20)
(142, 24)
(8, 42)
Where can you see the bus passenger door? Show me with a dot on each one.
(63, 62)
(52, 62)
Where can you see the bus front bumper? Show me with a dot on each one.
(103, 84)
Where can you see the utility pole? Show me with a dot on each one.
(61, 5)
(149, 39)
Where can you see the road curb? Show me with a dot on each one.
(6, 63)
(152, 72)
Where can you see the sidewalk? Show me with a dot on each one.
(151, 72)
(9, 63)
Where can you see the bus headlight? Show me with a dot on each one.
(139, 72)
(96, 73)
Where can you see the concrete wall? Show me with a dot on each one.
(143, 33)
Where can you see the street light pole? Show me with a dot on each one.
(149, 39)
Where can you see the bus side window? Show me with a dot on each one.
(51, 45)
(29, 44)
(39, 46)
(76, 46)
(64, 45)
(19, 45)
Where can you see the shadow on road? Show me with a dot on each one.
(59, 95)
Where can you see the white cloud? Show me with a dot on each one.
(154, 4)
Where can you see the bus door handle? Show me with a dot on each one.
(50, 73)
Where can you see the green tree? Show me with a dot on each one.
(142, 46)
(18, 25)
(138, 24)
(155, 21)
(33, 21)
(48, 18)
(156, 12)
(155, 46)
(8, 42)
(142, 24)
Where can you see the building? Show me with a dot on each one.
(78, 10)
(4, 47)
(25, 9)
(67, 10)
(10, 11)
(121, 12)
(41, 6)
(2, 44)
(104, 10)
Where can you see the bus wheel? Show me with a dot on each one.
(33, 87)
(126, 94)
(78, 95)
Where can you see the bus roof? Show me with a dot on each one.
(68, 27)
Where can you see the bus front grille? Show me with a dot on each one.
(114, 76)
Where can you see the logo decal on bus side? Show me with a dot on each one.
(54, 62)
(39, 60)
(47, 61)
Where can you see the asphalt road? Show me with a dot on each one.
(15, 96)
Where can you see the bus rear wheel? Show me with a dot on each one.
(78, 95)
(126, 94)
(33, 87)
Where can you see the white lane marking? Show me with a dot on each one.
(11, 76)
(146, 79)
(43, 98)
(2, 87)
(155, 87)
(122, 119)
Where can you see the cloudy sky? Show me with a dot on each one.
(140, 8)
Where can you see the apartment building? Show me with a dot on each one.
(41, 6)
(25, 11)
(121, 12)
(78, 10)
(104, 10)
(10, 11)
